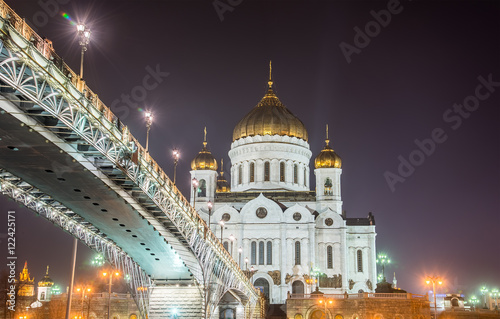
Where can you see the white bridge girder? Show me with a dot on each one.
(33, 74)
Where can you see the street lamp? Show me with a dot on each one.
(251, 271)
(473, 300)
(149, 120)
(84, 35)
(495, 294)
(484, 290)
(221, 223)
(325, 302)
(311, 281)
(110, 274)
(195, 184)
(209, 205)
(246, 263)
(83, 290)
(176, 155)
(434, 280)
(383, 260)
(98, 261)
(231, 238)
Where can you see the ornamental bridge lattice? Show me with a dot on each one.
(68, 158)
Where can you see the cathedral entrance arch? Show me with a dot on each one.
(298, 287)
(317, 314)
(263, 285)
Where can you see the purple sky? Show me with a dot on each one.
(401, 86)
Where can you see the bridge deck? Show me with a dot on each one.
(41, 162)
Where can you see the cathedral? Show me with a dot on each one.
(289, 239)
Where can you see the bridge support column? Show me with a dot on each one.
(169, 302)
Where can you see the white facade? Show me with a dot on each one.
(282, 228)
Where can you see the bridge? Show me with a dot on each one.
(68, 158)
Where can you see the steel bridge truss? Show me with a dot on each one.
(59, 215)
(39, 77)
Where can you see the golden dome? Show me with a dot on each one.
(222, 184)
(204, 159)
(327, 158)
(270, 117)
(46, 280)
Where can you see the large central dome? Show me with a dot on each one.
(270, 117)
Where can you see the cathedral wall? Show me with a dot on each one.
(361, 258)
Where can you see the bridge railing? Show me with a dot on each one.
(363, 295)
(103, 114)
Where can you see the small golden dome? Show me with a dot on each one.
(204, 159)
(222, 184)
(327, 158)
(270, 117)
(46, 280)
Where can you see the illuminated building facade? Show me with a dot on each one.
(285, 235)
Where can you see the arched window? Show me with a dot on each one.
(202, 190)
(253, 256)
(298, 288)
(240, 174)
(269, 257)
(42, 295)
(267, 172)
(282, 171)
(261, 253)
(360, 260)
(263, 285)
(454, 302)
(297, 252)
(329, 257)
(328, 186)
(295, 173)
(226, 246)
(252, 172)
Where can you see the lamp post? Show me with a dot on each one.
(231, 238)
(72, 280)
(98, 261)
(176, 155)
(84, 35)
(209, 205)
(251, 271)
(83, 295)
(311, 281)
(484, 290)
(195, 184)
(240, 250)
(221, 223)
(246, 263)
(110, 274)
(473, 300)
(325, 302)
(149, 120)
(383, 260)
(495, 294)
(434, 280)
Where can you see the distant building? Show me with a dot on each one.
(25, 283)
(45, 287)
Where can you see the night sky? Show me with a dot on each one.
(442, 218)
